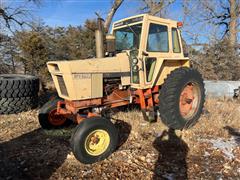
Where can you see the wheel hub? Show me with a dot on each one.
(56, 119)
(97, 142)
(189, 100)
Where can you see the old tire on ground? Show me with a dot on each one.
(17, 85)
(18, 93)
(182, 98)
(48, 118)
(94, 139)
(17, 105)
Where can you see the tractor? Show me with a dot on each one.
(141, 62)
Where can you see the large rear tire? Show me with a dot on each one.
(18, 93)
(17, 105)
(182, 97)
(94, 139)
(18, 85)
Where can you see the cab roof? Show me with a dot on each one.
(142, 18)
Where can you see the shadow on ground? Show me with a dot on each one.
(171, 163)
(233, 132)
(124, 130)
(33, 155)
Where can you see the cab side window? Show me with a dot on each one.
(150, 66)
(175, 41)
(158, 38)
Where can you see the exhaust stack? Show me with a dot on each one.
(99, 38)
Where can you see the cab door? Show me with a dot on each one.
(157, 46)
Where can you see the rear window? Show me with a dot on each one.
(175, 41)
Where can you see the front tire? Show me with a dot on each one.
(182, 97)
(94, 139)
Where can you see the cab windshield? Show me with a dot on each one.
(128, 37)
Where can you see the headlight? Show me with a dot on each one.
(135, 68)
(135, 61)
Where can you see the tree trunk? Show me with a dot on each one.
(233, 23)
(13, 66)
(116, 5)
(25, 68)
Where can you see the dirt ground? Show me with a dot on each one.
(210, 150)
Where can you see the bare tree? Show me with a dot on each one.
(223, 14)
(112, 11)
(11, 16)
(155, 7)
(234, 13)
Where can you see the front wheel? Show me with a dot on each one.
(182, 98)
(94, 139)
(48, 117)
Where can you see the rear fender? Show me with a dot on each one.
(164, 67)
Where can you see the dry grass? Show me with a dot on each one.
(218, 114)
(146, 151)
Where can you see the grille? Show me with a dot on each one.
(62, 86)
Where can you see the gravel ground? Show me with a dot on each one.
(210, 150)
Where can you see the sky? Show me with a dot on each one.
(75, 12)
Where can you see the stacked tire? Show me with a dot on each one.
(18, 93)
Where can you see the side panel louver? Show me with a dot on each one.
(62, 85)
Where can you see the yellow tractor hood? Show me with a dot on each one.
(83, 79)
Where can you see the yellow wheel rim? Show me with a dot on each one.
(97, 142)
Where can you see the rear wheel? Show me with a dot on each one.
(48, 117)
(94, 139)
(182, 98)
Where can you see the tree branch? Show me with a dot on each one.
(154, 7)
(115, 6)
(13, 16)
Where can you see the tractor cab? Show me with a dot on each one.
(150, 42)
